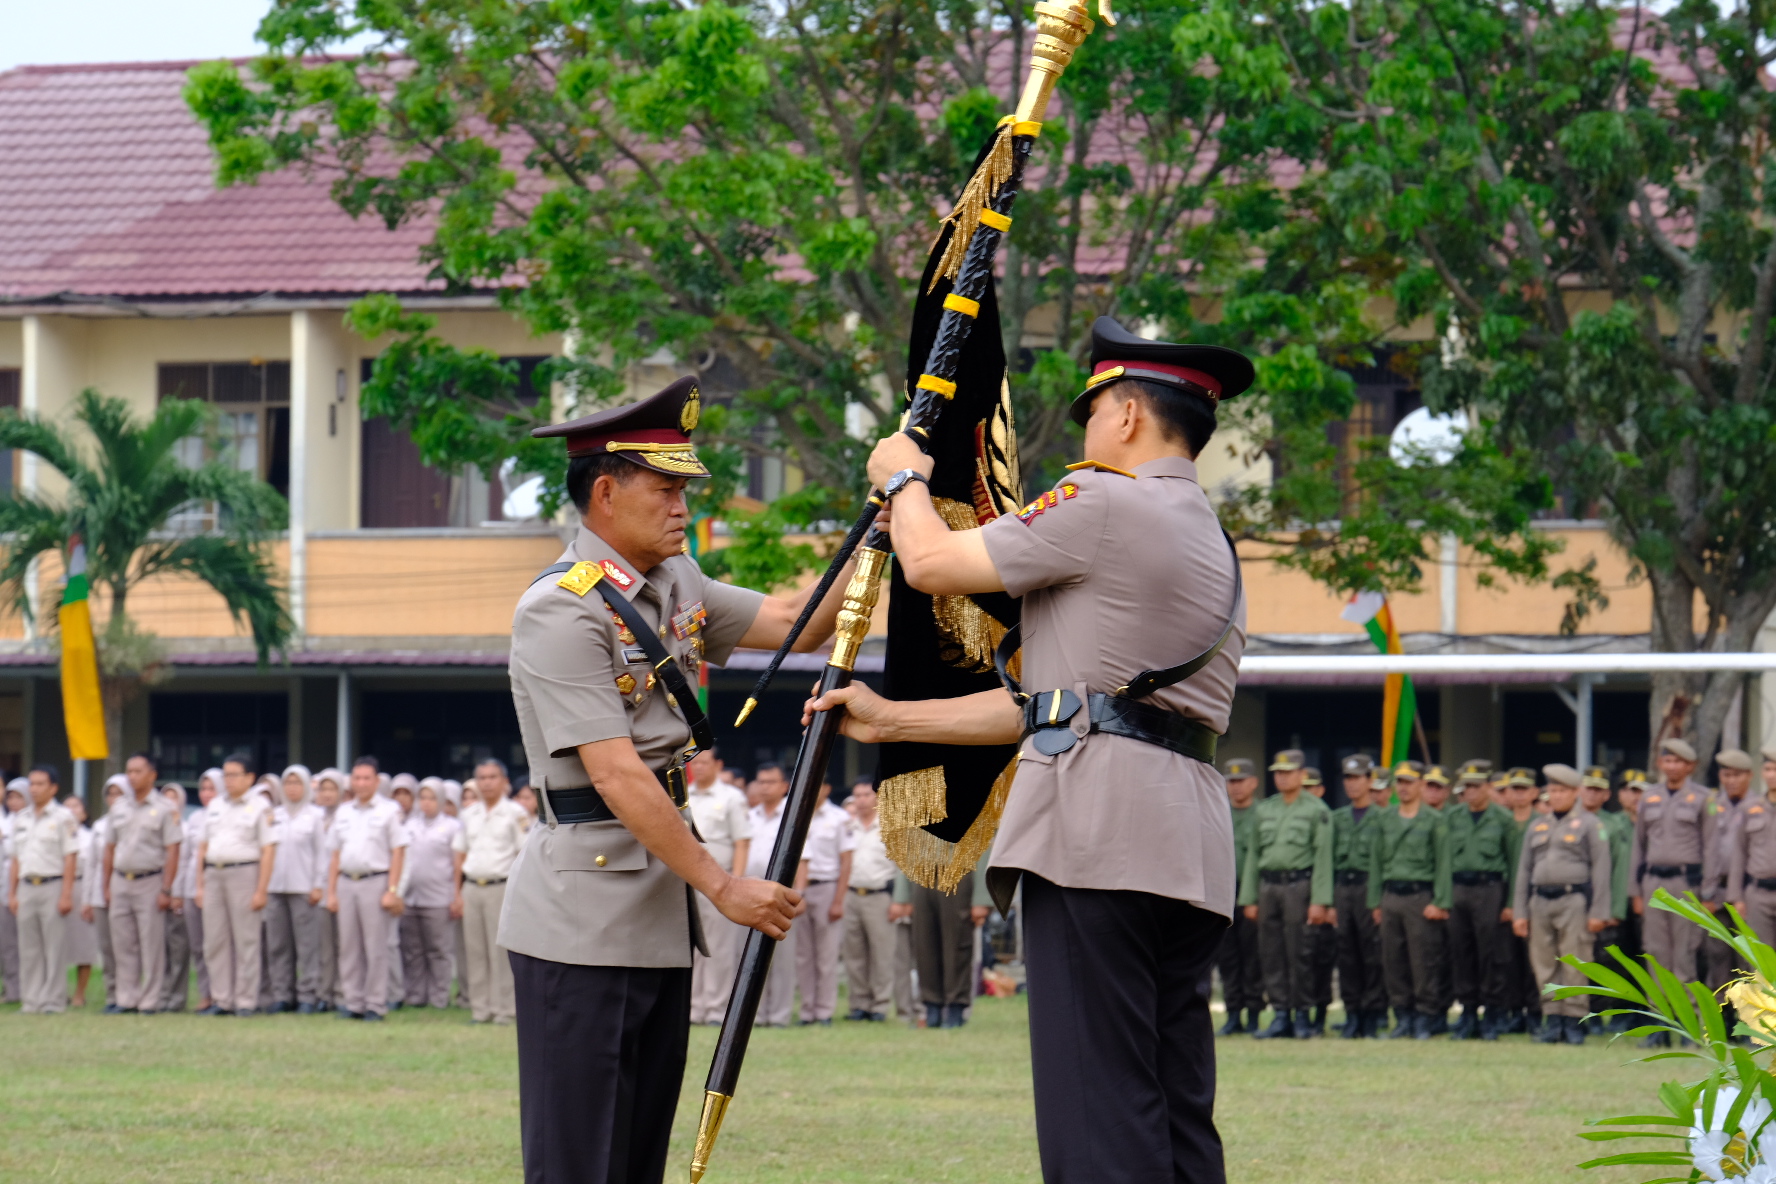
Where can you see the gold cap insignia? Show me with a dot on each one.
(693, 407)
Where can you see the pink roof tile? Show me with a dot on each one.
(107, 188)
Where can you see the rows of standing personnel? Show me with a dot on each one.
(1428, 891)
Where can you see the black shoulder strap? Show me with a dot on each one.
(1148, 681)
(670, 675)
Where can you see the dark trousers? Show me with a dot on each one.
(1625, 937)
(1322, 948)
(1284, 944)
(601, 1056)
(943, 943)
(1360, 983)
(1412, 953)
(1242, 974)
(1121, 1047)
(1477, 959)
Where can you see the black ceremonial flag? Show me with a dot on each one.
(940, 803)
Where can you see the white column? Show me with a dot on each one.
(302, 346)
(1446, 578)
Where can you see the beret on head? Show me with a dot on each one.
(1734, 758)
(1678, 748)
(1562, 775)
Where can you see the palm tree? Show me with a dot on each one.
(121, 493)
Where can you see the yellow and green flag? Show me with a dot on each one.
(1399, 702)
(83, 711)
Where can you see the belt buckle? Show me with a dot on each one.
(675, 785)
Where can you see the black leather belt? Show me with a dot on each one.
(856, 891)
(136, 875)
(1556, 891)
(1766, 885)
(355, 876)
(33, 881)
(1350, 878)
(585, 804)
(1670, 871)
(484, 881)
(1470, 879)
(1293, 875)
(1405, 887)
(1048, 716)
(217, 867)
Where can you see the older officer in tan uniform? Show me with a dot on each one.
(597, 916)
(1562, 898)
(141, 865)
(1122, 838)
(1674, 849)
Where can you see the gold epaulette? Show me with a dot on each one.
(580, 578)
(1101, 467)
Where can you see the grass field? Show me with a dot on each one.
(426, 1097)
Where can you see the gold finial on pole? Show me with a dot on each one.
(715, 1108)
(859, 606)
(1060, 29)
(746, 710)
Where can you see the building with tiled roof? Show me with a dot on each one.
(123, 267)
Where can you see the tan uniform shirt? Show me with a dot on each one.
(589, 893)
(720, 814)
(1570, 850)
(142, 831)
(1675, 830)
(1119, 576)
(367, 836)
(236, 829)
(1753, 851)
(490, 840)
(43, 839)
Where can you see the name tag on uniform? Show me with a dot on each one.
(689, 620)
(633, 654)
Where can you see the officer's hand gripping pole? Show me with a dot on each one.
(1061, 29)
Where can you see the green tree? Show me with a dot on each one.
(124, 483)
(1578, 198)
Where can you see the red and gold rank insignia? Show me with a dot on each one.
(1049, 501)
(625, 683)
(624, 634)
(618, 576)
(689, 619)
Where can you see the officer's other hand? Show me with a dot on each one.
(837, 911)
(764, 905)
(257, 904)
(65, 905)
(1316, 914)
(314, 896)
(1505, 916)
(1520, 927)
(1251, 912)
(1596, 926)
(867, 714)
(1376, 914)
(456, 908)
(86, 913)
(1638, 904)
(894, 453)
(978, 914)
(391, 904)
(1433, 913)
(332, 903)
(899, 912)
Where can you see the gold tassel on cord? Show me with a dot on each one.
(911, 801)
(982, 188)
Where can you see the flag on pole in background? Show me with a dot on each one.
(83, 711)
(1399, 702)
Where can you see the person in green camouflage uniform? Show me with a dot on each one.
(1410, 895)
(1242, 975)
(1482, 843)
(1359, 937)
(1287, 887)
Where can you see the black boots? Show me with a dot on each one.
(1304, 1025)
(1553, 1030)
(1233, 1026)
(1280, 1025)
(1405, 1024)
(1468, 1026)
(1356, 1025)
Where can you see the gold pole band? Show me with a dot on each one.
(860, 604)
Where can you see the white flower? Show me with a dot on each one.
(1720, 1154)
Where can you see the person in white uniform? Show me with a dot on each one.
(293, 912)
(720, 813)
(491, 835)
(46, 856)
(235, 864)
(82, 941)
(429, 891)
(368, 844)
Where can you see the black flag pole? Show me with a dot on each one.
(965, 253)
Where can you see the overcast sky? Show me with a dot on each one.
(56, 32)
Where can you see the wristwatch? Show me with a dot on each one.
(902, 479)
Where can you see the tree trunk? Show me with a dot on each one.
(1672, 708)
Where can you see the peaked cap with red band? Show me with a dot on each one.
(1212, 372)
(654, 433)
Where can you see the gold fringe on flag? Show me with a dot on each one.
(972, 634)
(983, 187)
(911, 801)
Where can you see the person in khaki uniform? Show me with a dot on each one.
(1287, 891)
(45, 858)
(1674, 849)
(1728, 806)
(141, 864)
(1481, 838)
(1121, 568)
(871, 935)
(1562, 898)
(234, 866)
(492, 834)
(719, 811)
(1594, 792)
(368, 846)
(1242, 971)
(1751, 863)
(599, 916)
(1360, 981)
(1410, 893)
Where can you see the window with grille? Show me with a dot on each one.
(252, 402)
(11, 384)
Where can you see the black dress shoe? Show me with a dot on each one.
(1467, 1027)
(1553, 1030)
(1304, 1027)
(1575, 1031)
(934, 1015)
(1353, 1024)
(954, 1016)
(371, 1017)
(1281, 1026)
(1232, 1027)
(350, 1015)
(1318, 1020)
(1405, 1024)
(306, 1009)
